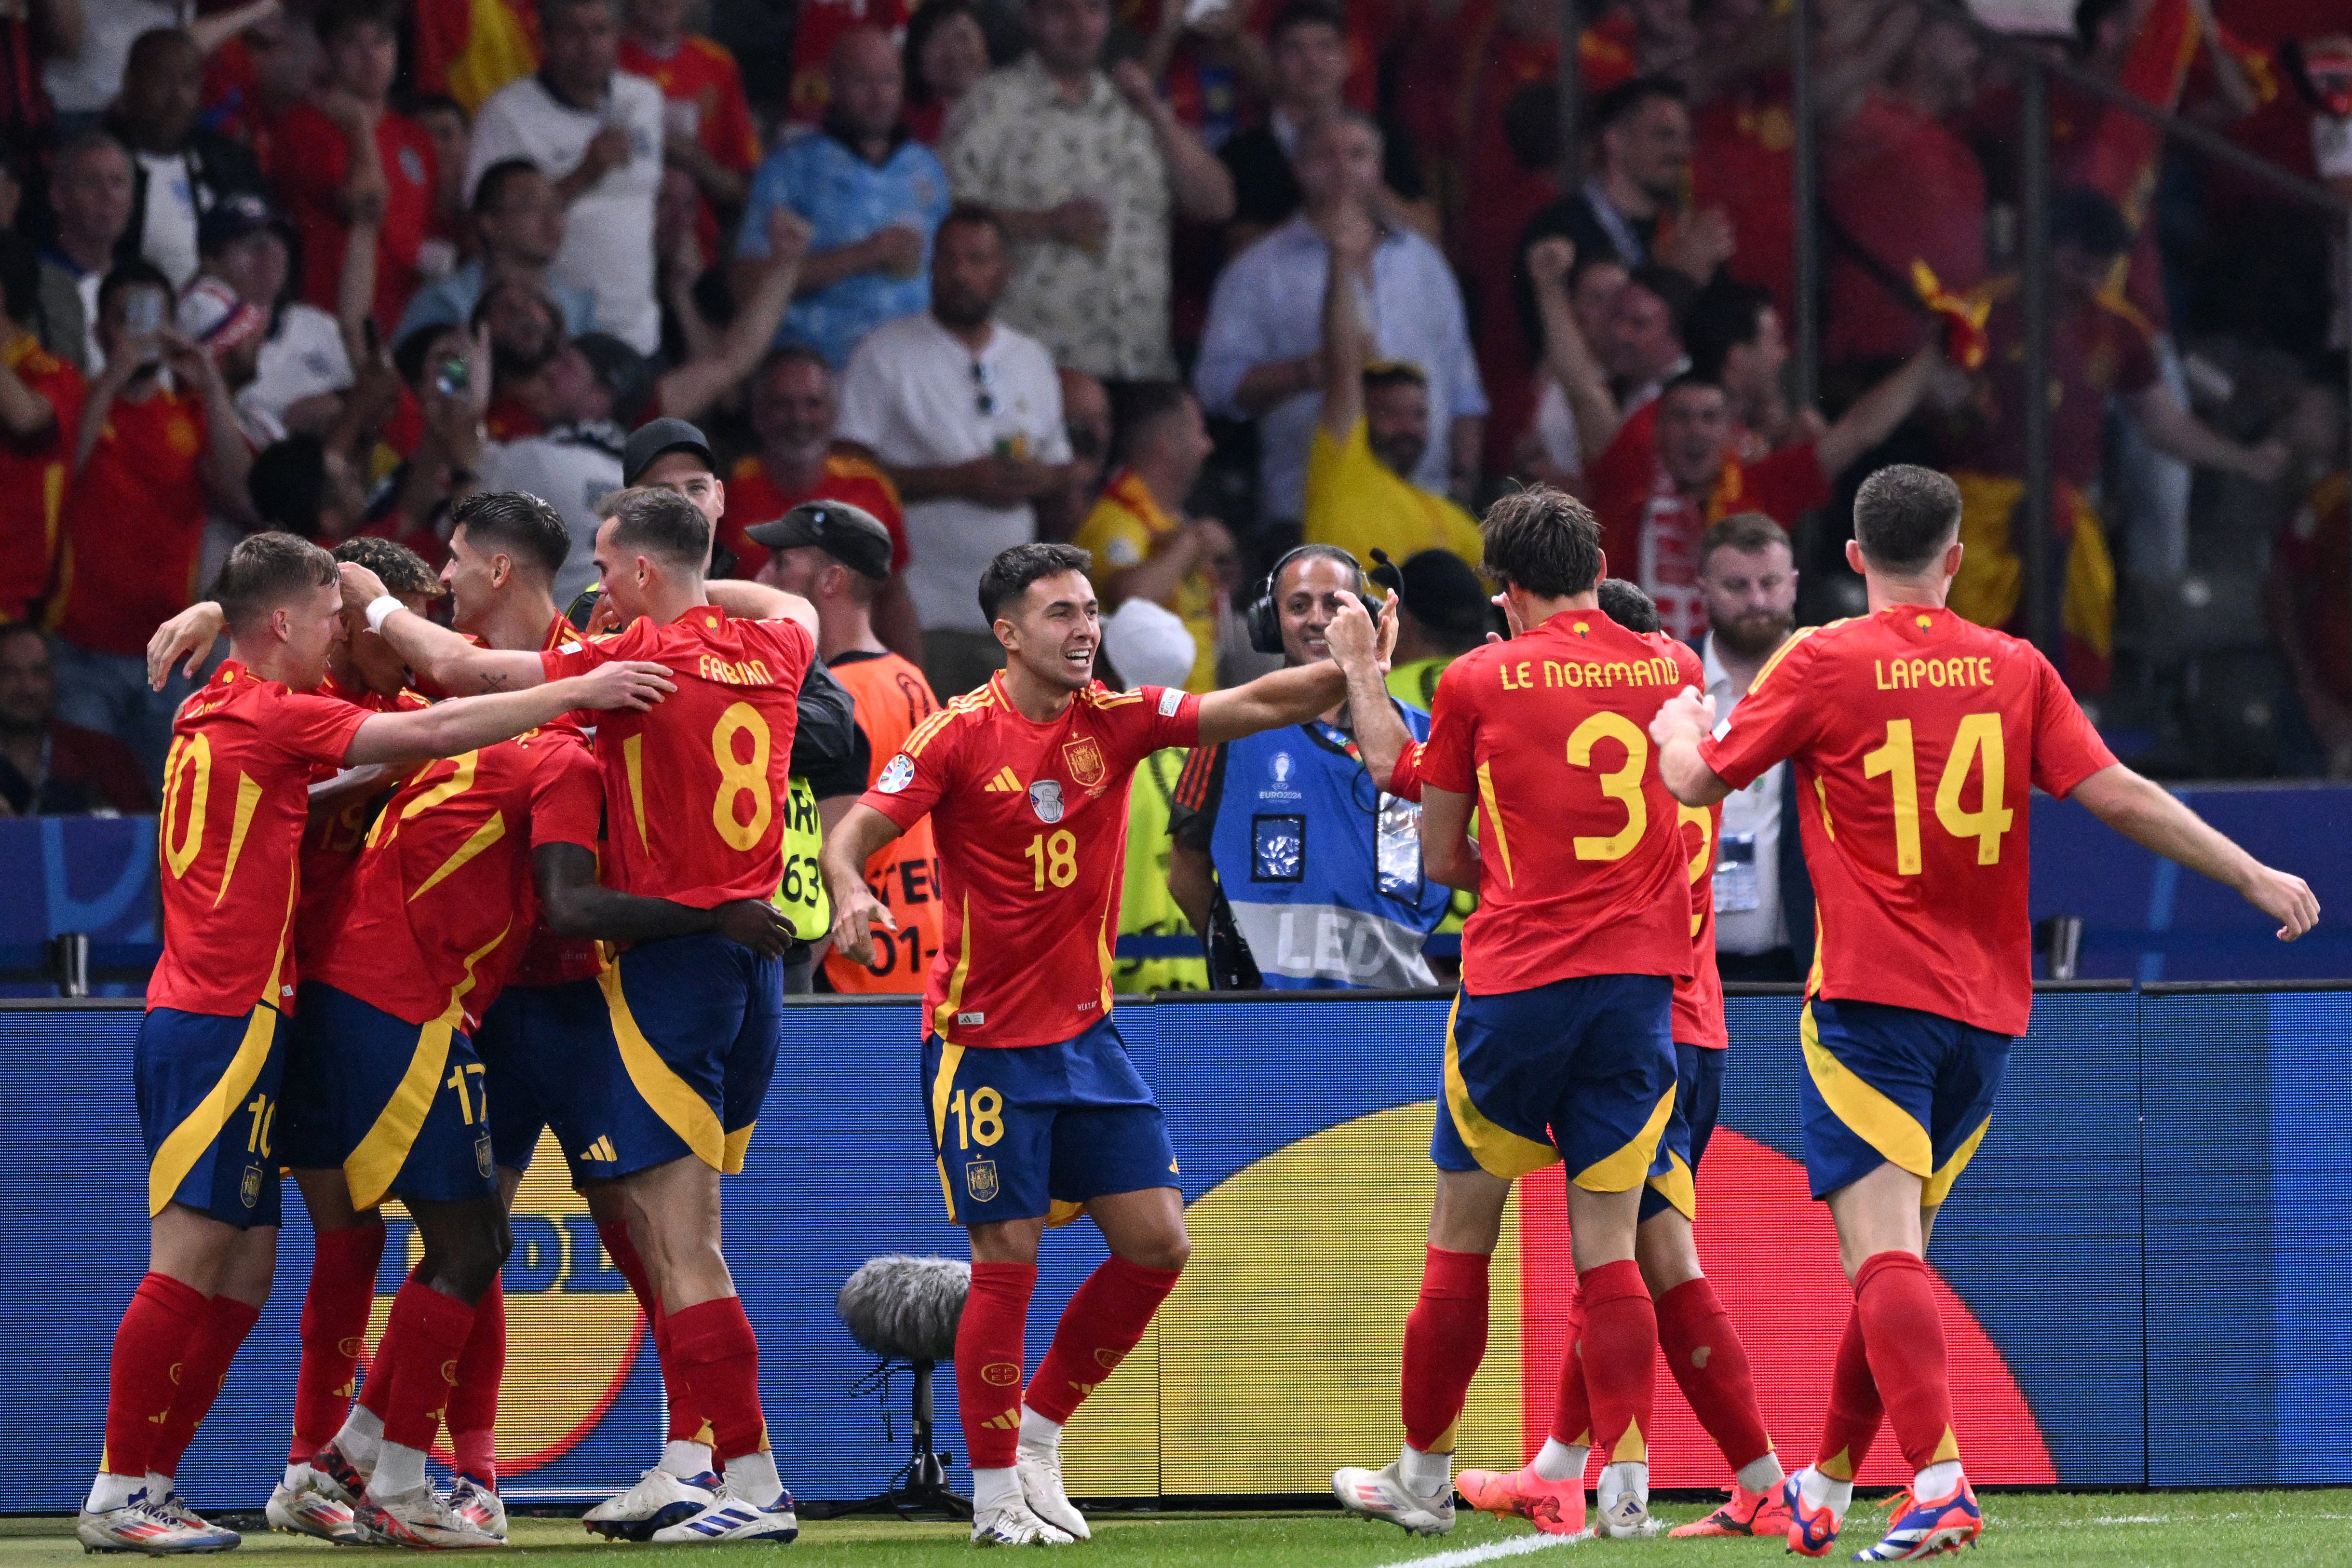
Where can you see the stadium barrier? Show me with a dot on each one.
(2143, 1263)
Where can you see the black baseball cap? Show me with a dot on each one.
(1444, 593)
(233, 218)
(651, 440)
(850, 534)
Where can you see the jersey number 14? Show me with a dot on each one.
(1976, 746)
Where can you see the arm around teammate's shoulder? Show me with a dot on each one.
(741, 597)
(576, 905)
(2149, 815)
(467, 723)
(439, 655)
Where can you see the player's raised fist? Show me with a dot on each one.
(1684, 711)
(857, 911)
(628, 683)
(756, 924)
(1351, 635)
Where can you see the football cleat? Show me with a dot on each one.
(479, 1507)
(335, 1477)
(306, 1510)
(1812, 1531)
(1556, 1508)
(731, 1518)
(1926, 1528)
(1626, 1517)
(420, 1518)
(143, 1525)
(175, 1507)
(1748, 1513)
(658, 1500)
(1039, 1471)
(1015, 1523)
(1383, 1494)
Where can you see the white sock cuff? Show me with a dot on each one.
(1425, 1474)
(1039, 1431)
(993, 1486)
(1559, 1461)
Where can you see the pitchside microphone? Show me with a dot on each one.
(905, 1309)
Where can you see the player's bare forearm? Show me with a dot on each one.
(332, 794)
(2146, 813)
(576, 905)
(1380, 734)
(1269, 703)
(469, 723)
(756, 600)
(855, 910)
(184, 640)
(1448, 854)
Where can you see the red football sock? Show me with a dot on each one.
(375, 1392)
(334, 1330)
(226, 1323)
(1621, 1358)
(1444, 1341)
(474, 1403)
(718, 1359)
(1894, 1296)
(1851, 1424)
(686, 1422)
(1103, 1322)
(1710, 1367)
(159, 1325)
(1572, 1417)
(991, 1341)
(433, 1332)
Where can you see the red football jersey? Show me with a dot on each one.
(546, 958)
(1031, 823)
(331, 840)
(1582, 858)
(33, 477)
(236, 790)
(119, 583)
(753, 496)
(442, 902)
(1699, 1000)
(697, 784)
(1916, 739)
(314, 160)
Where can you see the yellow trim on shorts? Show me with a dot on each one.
(371, 1168)
(1876, 1120)
(1060, 1212)
(739, 1143)
(1630, 1165)
(1498, 1151)
(196, 1131)
(686, 1112)
(942, 1088)
(1678, 1188)
(1940, 1185)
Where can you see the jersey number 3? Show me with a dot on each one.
(1977, 741)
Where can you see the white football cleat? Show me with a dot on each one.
(421, 1518)
(305, 1510)
(175, 1507)
(1383, 1494)
(1039, 1471)
(658, 1500)
(143, 1525)
(479, 1507)
(1626, 1517)
(731, 1518)
(1015, 1523)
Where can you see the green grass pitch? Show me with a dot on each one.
(2143, 1530)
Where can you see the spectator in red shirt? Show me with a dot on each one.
(149, 456)
(706, 119)
(40, 409)
(1734, 339)
(346, 157)
(48, 767)
(795, 403)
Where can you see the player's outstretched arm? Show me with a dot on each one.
(1448, 853)
(442, 658)
(184, 640)
(1678, 728)
(1293, 696)
(1380, 734)
(2149, 815)
(856, 910)
(467, 723)
(576, 904)
(757, 601)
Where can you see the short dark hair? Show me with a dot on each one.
(401, 569)
(1746, 531)
(426, 103)
(1139, 407)
(1673, 287)
(1544, 541)
(1688, 379)
(335, 17)
(929, 19)
(976, 214)
(1627, 96)
(1726, 315)
(516, 523)
(1307, 14)
(1905, 516)
(1625, 603)
(792, 354)
(288, 483)
(133, 274)
(266, 571)
(20, 279)
(491, 188)
(1381, 374)
(666, 524)
(1009, 575)
(1306, 552)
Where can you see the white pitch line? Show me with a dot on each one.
(1515, 1546)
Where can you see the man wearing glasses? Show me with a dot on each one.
(965, 414)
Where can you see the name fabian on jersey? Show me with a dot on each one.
(1550, 674)
(749, 672)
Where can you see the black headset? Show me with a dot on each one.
(1265, 622)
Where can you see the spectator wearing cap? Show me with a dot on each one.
(838, 556)
(48, 767)
(180, 171)
(148, 458)
(1143, 546)
(518, 219)
(346, 157)
(1087, 170)
(873, 198)
(1262, 352)
(965, 413)
(1442, 612)
(40, 411)
(91, 188)
(1145, 645)
(795, 404)
(228, 328)
(597, 132)
(304, 367)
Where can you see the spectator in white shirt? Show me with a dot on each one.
(596, 131)
(304, 367)
(965, 414)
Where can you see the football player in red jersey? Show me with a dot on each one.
(666, 1093)
(247, 747)
(1919, 737)
(1037, 1113)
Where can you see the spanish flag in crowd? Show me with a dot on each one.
(470, 48)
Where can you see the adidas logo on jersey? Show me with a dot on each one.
(1002, 781)
(601, 1149)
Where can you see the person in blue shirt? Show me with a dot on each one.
(1301, 871)
(872, 195)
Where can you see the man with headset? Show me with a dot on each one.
(1298, 870)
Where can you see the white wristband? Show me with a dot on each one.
(379, 608)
